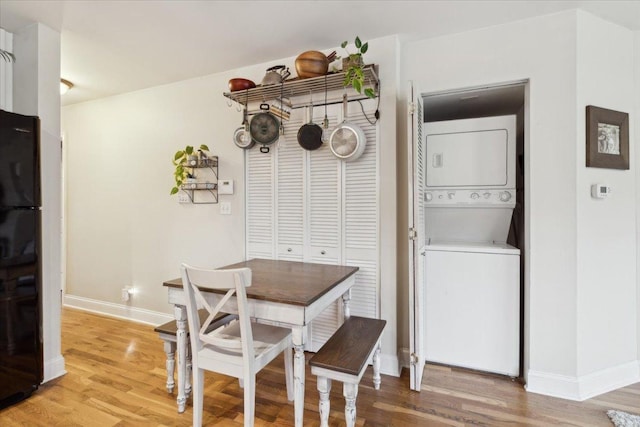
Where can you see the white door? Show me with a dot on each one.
(416, 161)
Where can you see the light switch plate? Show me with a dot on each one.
(225, 208)
(183, 197)
(225, 186)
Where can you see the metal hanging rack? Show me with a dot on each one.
(297, 87)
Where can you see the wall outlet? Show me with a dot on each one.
(225, 208)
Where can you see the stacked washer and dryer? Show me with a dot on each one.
(472, 296)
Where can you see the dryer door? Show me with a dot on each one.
(471, 153)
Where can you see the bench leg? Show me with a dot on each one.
(180, 313)
(324, 388)
(376, 368)
(170, 350)
(350, 392)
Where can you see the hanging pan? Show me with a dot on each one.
(242, 137)
(310, 134)
(347, 141)
(264, 128)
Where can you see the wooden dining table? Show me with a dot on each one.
(282, 293)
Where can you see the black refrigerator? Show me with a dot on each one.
(20, 258)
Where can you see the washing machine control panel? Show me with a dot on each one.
(470, 197)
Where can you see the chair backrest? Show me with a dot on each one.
(234, 281)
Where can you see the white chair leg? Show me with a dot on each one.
(198, 396)
(288, 372)
(187, 379)
(376, 368)
(170, 350)
(249, 400)
(324, 389)
(350, 392)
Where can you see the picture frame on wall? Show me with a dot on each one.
(607, 138)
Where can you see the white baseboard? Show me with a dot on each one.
(389, 365)
(585, 386)
(120, 311)
(53, 368)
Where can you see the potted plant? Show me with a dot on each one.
(183, 160)
(353, 65)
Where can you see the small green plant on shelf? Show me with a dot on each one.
(353, 65)
(183, 160)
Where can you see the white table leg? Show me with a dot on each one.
(170, 351)
(346, 297)
(298, 338)
(180, 313)
(350, 392)
(324, 389)
(376, 368)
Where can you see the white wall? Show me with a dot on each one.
(636, 143)
(6, 72)
(606, 246)
(125, 229)
(36, 92)
(545, 51)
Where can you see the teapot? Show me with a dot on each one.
(276, 75)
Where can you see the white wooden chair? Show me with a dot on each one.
(240, 349)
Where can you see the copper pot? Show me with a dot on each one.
(240, 84)
(313, 63)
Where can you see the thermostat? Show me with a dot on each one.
(225, 186)
(600, 191)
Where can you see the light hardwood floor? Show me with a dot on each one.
(116, 376)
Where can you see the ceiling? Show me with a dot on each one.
(112, 47)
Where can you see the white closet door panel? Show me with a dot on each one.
(290, 252)
(364, 294)
(361, 189)
(290, 184)
(260, 204)
(324, 325)
(324, 199)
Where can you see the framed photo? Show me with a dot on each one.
(607, 138)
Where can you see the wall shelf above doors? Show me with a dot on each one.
(302, 87)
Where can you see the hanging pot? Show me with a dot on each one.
(310, 134)
(264, 128)
(347, 141)
(241, 136)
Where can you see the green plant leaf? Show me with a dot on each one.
(357, 85)
(358, 42)
(369, 92)
(344, 44)
(189, 150)
(359, 74)
(364, 48)
(178, 155)
(204, 147)
(174, 190)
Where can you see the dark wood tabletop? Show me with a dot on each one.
(288, 282)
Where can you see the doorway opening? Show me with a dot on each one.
(491, 101)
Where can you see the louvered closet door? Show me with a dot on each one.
(260, 224)
(361, 227)
(290, 184)
(324, 224)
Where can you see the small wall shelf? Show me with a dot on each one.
(209, 185)
(298, 87)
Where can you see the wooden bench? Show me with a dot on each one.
(344, 358)
(167, 333)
